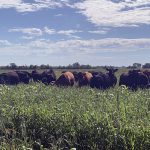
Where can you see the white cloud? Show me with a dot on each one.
(31, 33)
(112, 51)
(27, 37)
(28, 31)
(4, 43)
(75, 47)
(58, 15)
(92, 46)
(68, 32)
(49, 31)
(8, 3)
(102, 31)
(116, 14)
(74, 37)
(22, 6)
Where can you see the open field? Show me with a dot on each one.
(81, 118)
(74, 74)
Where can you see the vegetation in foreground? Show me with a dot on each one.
(38, 117)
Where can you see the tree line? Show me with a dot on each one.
(75, 65)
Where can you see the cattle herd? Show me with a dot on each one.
(133, 79)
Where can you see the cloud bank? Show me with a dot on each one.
(35, 5)
(75, 47)
(115, 13)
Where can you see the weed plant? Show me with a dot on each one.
(36, 116)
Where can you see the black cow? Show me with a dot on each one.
(104, 80)
(9, 78)
(48, 76)
(124, 79)
(75, 73)
(94, 73)
(147, 73)
(134, 79)
(24, 76)
(36, 76)
(45, 77)
(111, 78)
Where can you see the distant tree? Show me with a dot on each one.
(146, 65)
(33, 67)
(85, 67)
(69, 67)
(76, 65)
(137, 65)
(48, 66)
(13, 66)
(42, 66)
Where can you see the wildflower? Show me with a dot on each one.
(124, 87)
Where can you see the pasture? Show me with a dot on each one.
(36, 116)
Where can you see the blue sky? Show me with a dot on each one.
(61, 32)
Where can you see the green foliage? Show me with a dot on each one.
(38, 116)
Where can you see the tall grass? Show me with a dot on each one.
(41, 116)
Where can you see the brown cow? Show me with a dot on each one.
(75, 73)
(66, 79)
(84, 78)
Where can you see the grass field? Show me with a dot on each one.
(36, 115)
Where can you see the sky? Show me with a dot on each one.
(62, 32)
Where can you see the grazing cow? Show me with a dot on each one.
(36, 76)
(9, 78)
(97, 81)
(24, 76)
(94, 73)
(134, 79)
(147, 73)
(48, 76)
(111, 78)
(75, 73)
(124, 79)
(104, 80)
(84, 78)
(65, 79)
(45, 77)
